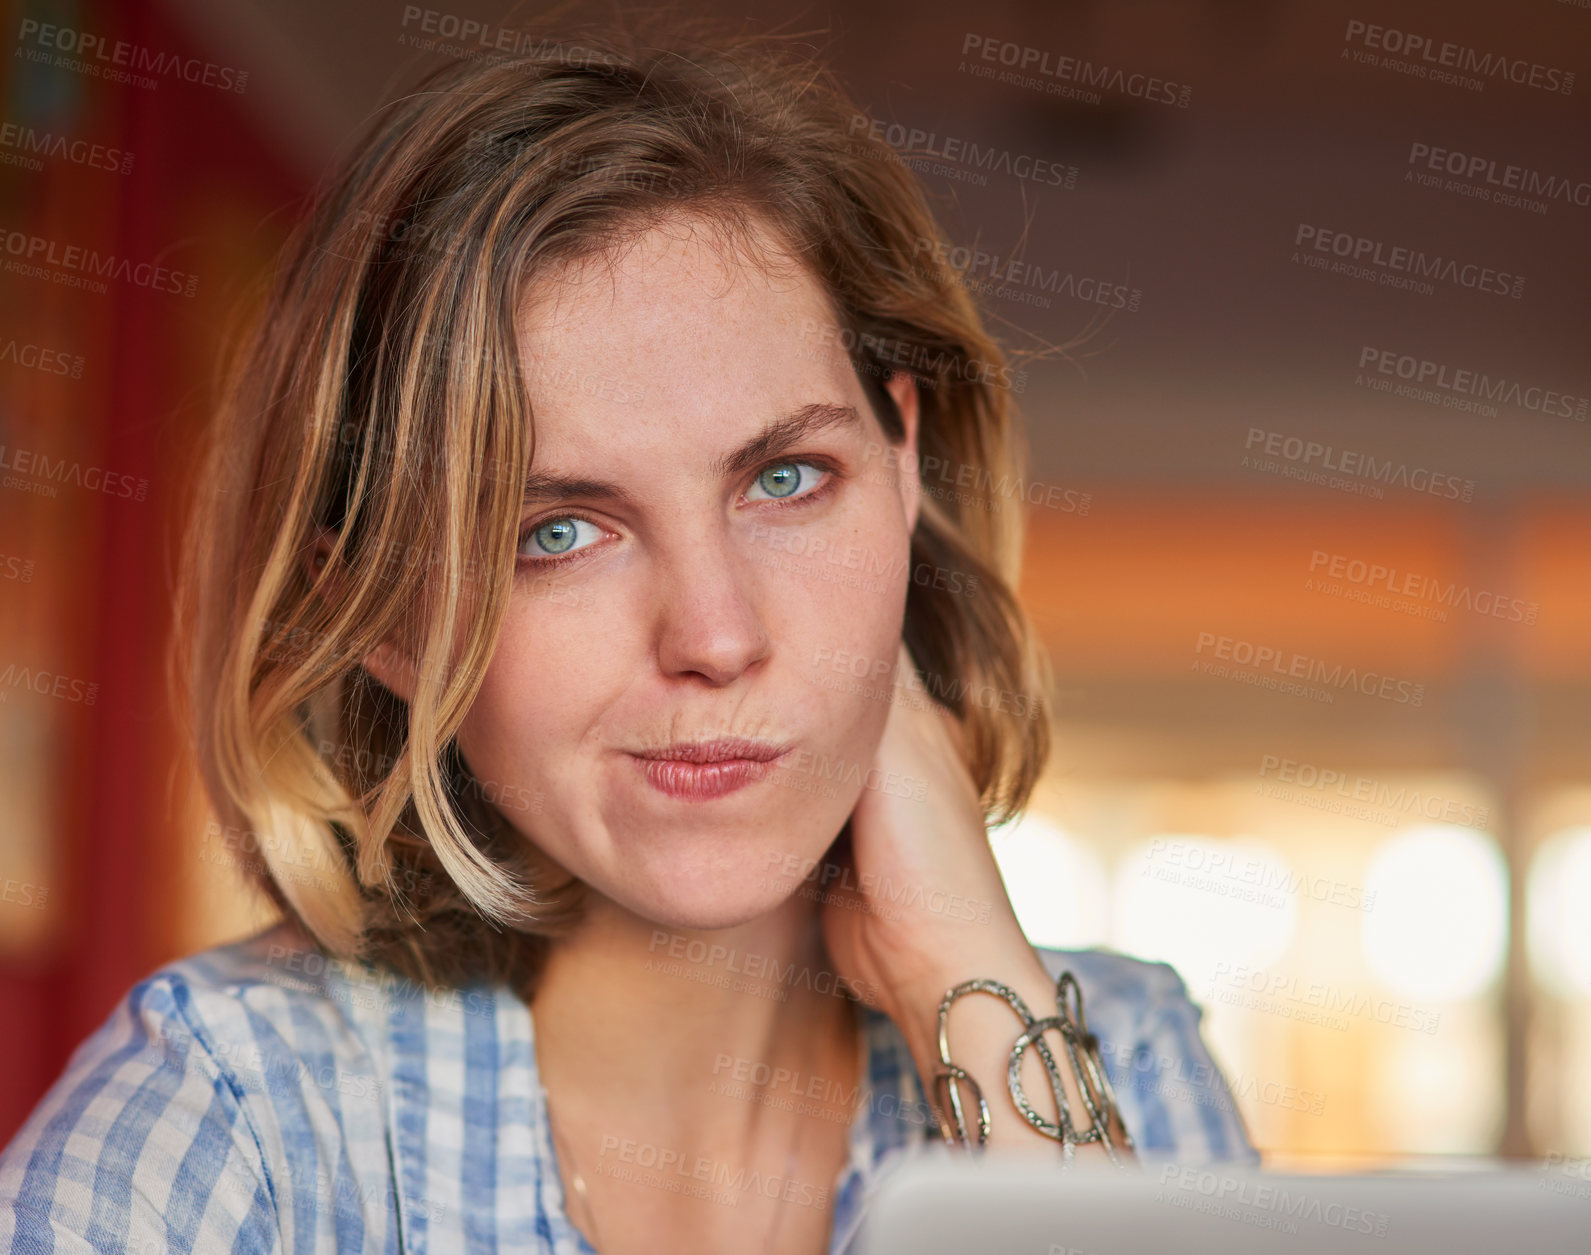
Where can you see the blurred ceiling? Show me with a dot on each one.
(1197, 207)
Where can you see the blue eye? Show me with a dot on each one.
(784, 479)
(557, 537)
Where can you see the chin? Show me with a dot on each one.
(713, 891)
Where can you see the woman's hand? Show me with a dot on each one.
(917, 904)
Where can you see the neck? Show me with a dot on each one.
(642, 1024)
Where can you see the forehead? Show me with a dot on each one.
(682, 328)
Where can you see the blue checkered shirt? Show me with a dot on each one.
(257, 1098)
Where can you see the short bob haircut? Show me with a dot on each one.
(377, 398)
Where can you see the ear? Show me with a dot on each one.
(903, 388)
(392, 669)
(384, 662)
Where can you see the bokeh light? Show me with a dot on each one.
(1056, 884)
(1198, 902)
(1439, 926)
(1560, 921)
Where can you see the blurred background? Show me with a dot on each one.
(1310, 541)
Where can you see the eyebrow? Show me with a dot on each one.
(775, 438)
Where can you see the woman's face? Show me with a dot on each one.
(717, 532)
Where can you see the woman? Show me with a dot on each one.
(584, 670)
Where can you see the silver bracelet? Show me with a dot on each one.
(1082, 1050)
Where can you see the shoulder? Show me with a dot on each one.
(202, 1110)
(1123, 997)
(1126, 1001)
(1115, 977)
(1176, 1100)
(273, 991)
(267, 1014)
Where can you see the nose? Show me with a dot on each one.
(709, 621)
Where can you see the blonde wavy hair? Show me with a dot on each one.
(376, 399)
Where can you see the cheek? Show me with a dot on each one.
(842, 617)
(548, 678)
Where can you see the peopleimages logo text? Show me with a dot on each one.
(914, 142)
(1423, 372)
(1022, 58)
(1459, 57)
(1230, 1194)
(976, 265)
(1282, 987)
(1502, 176)
(1362, 250)
(28, 142)
(109, 58)
(1364, 465)
(34, 255)
(1412, 584)
(1298, 666)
